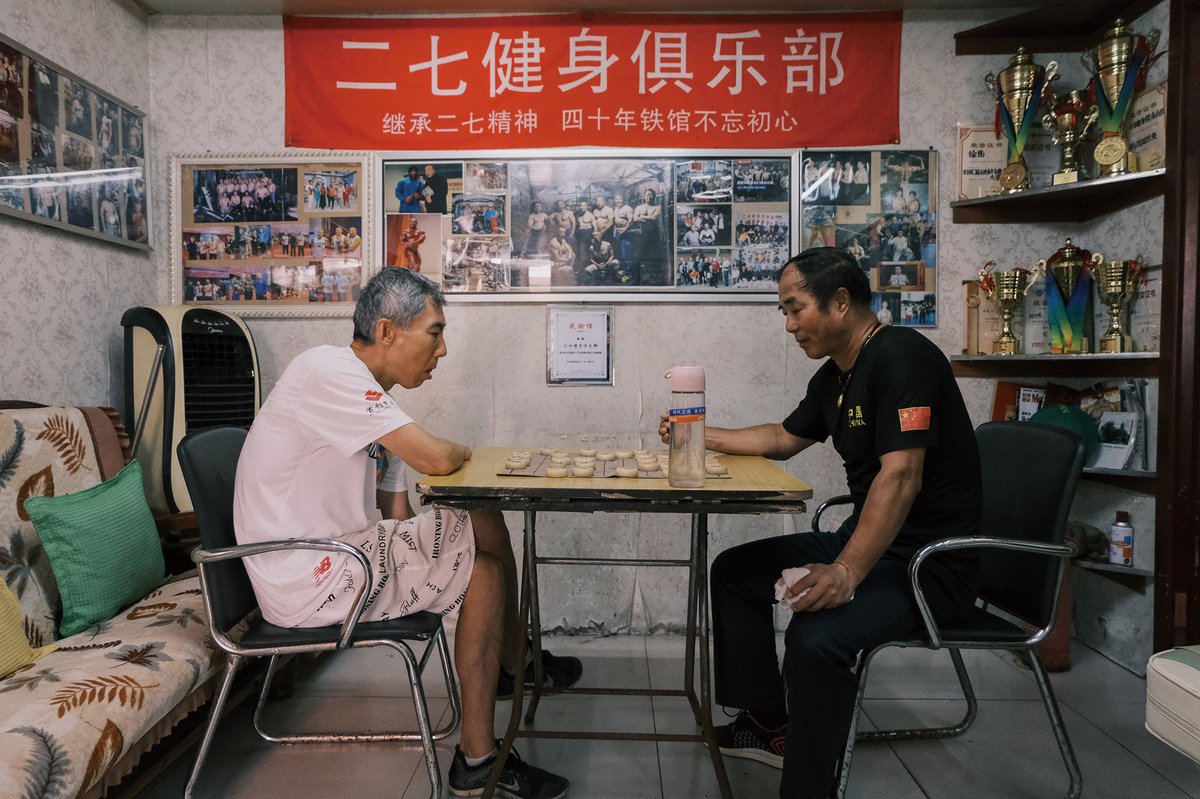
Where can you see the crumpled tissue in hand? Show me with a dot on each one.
(789, 578)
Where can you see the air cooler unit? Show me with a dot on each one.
(208, 377)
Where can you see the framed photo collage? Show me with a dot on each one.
(299, 233)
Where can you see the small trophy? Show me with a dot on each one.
(1068, 304)
(1020, 91)
(1007, 290)
(1115, 284)
(1069, 119)
(1118, 67)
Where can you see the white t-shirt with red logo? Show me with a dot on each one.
(305, 472)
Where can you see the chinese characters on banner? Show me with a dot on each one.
(562, 80)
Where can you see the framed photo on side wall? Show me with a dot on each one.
(71, 156)
(880, 206)
(278, 235)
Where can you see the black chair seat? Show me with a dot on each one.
(419, 626)
(981, 631)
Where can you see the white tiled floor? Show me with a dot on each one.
(1009, 753)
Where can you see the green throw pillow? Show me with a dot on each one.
(103, 547)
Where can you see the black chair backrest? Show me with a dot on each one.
(208, 459)
(1030, 472)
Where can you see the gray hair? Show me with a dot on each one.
(400, 295)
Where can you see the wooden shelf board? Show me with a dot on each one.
(1130, 480)
(1073, 202)
(1128, 364)
(1074, 25)
(1097, 566)
(1132, 474)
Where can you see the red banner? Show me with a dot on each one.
(694, 81)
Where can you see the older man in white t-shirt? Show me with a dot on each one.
(308, 470)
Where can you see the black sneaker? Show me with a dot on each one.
(748, 739)
(518, 779)
(558, 672)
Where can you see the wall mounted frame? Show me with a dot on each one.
(283, 234)
(72, 156)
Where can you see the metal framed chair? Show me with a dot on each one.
(1030, 472)
(208, 459)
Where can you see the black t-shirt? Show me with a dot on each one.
(900, 394)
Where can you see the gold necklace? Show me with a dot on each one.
(844, 378)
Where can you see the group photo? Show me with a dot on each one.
(244, 195)
(600, 222)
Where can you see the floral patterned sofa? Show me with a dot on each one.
(76, 721)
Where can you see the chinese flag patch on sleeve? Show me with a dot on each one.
(914, 418)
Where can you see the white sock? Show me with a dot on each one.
(479, 761)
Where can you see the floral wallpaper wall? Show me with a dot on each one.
(60, 311)
(218, 86)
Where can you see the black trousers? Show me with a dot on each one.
(817, 686)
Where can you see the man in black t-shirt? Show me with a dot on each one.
(436, 189)
(887, 399)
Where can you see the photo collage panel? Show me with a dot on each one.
(879, 206)
(595, 224)
(271, 233)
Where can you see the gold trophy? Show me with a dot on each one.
(1007, 290)
(1118, 67)
(1116, 282)
(1069, 119)
(1020, 90)
(1068, 303)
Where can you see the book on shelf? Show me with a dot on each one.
(1015, 402)
(1030, 400)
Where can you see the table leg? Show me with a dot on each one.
(695, 569)
(700, 524)
(535, 616)
(514, 719)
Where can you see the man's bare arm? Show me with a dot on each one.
(425, 452)
(888, 501)
(767, 440)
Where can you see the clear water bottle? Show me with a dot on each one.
(685, 468)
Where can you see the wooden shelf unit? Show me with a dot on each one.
(1072, 202)
(1066, 26)
(1126, 364)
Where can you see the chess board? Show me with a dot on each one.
(539, 463)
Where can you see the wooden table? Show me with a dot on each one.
(755, 486)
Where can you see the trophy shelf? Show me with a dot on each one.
(1124, 364)
(1071, 202)
(1054, 28)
